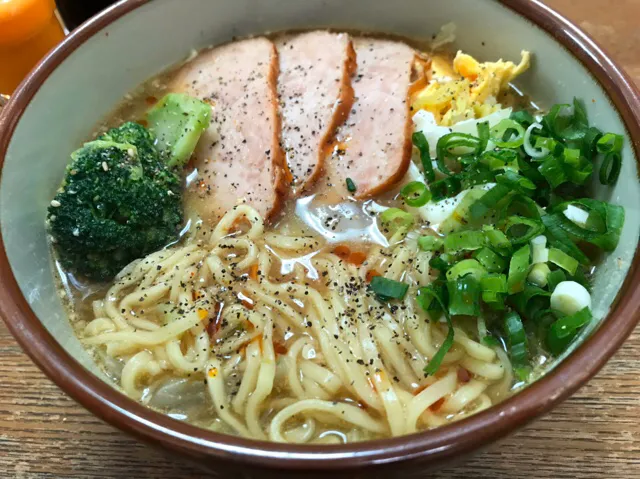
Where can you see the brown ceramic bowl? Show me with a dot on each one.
(83, 78)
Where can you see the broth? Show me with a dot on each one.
(272, 330)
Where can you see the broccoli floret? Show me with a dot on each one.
(119, 201)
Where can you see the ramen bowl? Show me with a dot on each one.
(81, 81)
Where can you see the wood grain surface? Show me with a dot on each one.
(595, 434)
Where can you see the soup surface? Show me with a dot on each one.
(368, 238)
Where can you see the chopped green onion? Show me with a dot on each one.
(446, 188)
(523, 117)
(590, 143)
(490, 341)
(552, 170)
(496, 238)
(519, 269)
(440, 262)
(539, 274)
(387, 289)
(508, 134)
(521, 230)
(530, 300)
(351, 186)
(565, 329)
(610, 143)
(395, 219)
(421, 143)
(516, 182)
(490, 260)
(608, 218)
(494, 287)
(500, 159)
(577, 168)
(452, 141)
(430, 243)
(464, 241)
(566, 124)
(488, 201)
(562, 259)
(466, 267)
(610, 168)
(516, 339)
(555, 278)
(560, 239)
(430, 294)
(415, 194)
(464, 296)
(483, 136)
(539, 251)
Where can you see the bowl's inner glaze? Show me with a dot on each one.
(94, 78)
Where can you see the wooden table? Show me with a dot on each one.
(596, 434)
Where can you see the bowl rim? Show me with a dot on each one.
(435, 445)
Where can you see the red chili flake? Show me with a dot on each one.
(463, 375)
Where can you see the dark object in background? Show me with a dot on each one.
(74, 12)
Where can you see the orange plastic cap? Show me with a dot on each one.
(22, 19)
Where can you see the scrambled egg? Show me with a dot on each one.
(466, 89)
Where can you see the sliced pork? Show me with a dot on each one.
(315, 94)
(374, 144)
(238, 158)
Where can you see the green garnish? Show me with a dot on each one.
(415, 194)
(351, 186)
(388, 289)
(523, 235)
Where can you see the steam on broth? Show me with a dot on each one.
(342, 237)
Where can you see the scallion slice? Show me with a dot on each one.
(487, 202)
(466, 267)
(494, 287)
(421, 143)
(610, 168)
(565, 329)
(351, 186)
(519, 269)
(560, 239)
(415, 194)
(508, 134)
(452, 141)
(428, 295)
(446, 188)
(464, 296)
(604, 225)
(490, 260)
(388, 289)
(430, 243)
(520, 230)
(516, 339)
(562, 259)
(496, 238)
(467, 240)
(554, 278)
(610, 143)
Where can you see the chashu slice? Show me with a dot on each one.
(373, 146)
(315, 93)
(238, 158)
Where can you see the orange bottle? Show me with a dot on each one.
(28, 30)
